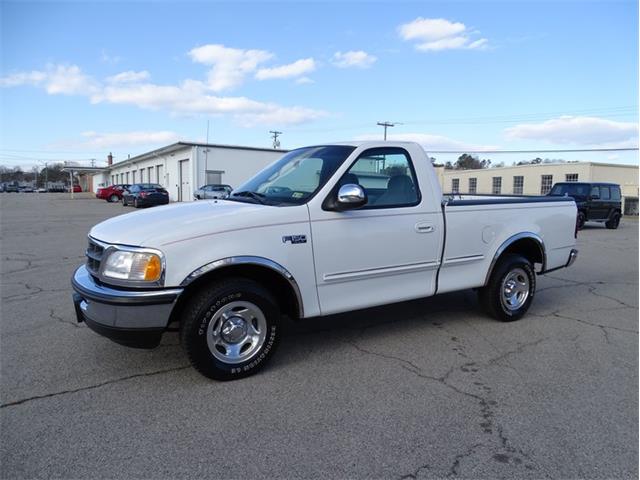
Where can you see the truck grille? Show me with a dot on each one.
(94, 257)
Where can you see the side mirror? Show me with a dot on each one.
(351, 196)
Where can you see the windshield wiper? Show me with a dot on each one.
(259, 197)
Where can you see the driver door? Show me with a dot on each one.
(384, 252)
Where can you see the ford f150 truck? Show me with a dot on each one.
(324, 229)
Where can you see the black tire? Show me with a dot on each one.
(491, 296)
(124, 202)
(614, 221)
(112, 199)
(582, 218)
(135, 203)
(205, 307)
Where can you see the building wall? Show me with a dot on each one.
(165, 166)
(624, 175)
(237, 165)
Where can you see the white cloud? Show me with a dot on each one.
(116, 140)
(229, 65)
(434, 34)
(431, 142)
(55, 79)
(191, 97)
(295, 69)
(579, 131)
(353, 58)
(304, 81)
(129, 76)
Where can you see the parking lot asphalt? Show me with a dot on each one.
(425, 389)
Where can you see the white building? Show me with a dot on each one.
(183, 167)
(538, 179)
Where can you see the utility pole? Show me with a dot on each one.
(276, 142)
(387, 125)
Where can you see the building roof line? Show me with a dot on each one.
(540, 165)
(177, 145)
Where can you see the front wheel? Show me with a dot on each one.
(113, 198)
(230, 329)
(613, 222)
(510, 290)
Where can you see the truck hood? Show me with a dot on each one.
(156, 226)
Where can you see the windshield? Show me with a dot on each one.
(570, 189)
(294, 178)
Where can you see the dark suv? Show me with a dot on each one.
(597, 202)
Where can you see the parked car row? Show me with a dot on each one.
(151, 194)
(137, 195)
(12, 188)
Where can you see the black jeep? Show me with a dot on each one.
(596, 201)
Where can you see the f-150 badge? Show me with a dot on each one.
(293, 239)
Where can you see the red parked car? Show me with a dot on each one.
(112, 193)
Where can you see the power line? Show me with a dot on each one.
(628, 149)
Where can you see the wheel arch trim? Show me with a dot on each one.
(510, 241)
(248, 260)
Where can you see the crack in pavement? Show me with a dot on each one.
(53, 316)
(580, 320)
(91, 387)
(512, 453)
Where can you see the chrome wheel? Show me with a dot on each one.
(236, 332)
(514, 290)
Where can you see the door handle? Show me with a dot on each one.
(424, 227)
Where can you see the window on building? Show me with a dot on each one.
(605, 193)
(214, 177)
(159, 175)
(150, 175)
(127, 177)
(142, 175)
(455, 185)
(496, 187)
(571, 177)
(518, 185)
(473, 185)
(546, 182)
(133, 176)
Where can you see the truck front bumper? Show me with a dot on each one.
(135, 318)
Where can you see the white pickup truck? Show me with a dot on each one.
(325, 229)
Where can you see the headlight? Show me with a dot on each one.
(133, 266)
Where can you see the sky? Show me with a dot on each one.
(81, 79)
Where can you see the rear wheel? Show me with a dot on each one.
(613, 222)
(510, 290)
(113, 198)
(230, 329)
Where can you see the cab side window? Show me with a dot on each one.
(604, 193)
(595, 191)
(387, 177)
(615, 193)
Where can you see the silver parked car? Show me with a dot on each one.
(212, 191)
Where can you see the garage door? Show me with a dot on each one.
(630, 206)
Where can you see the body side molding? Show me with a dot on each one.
(248, 260)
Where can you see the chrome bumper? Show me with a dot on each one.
(135, 318)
